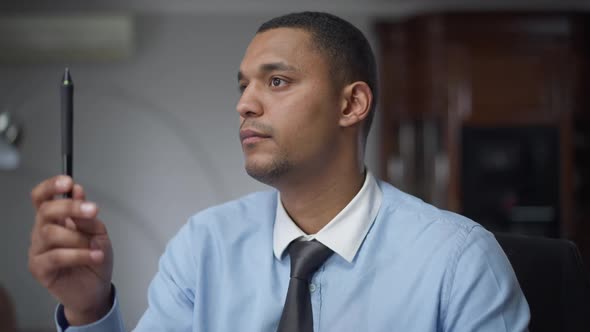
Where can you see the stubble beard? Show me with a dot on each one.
(269, 173)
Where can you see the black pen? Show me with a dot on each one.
(67, 128)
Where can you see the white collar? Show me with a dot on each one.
(343, 234)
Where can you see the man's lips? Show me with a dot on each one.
(251, 136)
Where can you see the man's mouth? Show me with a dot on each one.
(249, 136)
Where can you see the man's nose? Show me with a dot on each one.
(249, 105)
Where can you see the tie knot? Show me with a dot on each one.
(307, 257)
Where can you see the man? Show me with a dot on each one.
(382, 260)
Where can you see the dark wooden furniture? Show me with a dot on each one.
(487, 114)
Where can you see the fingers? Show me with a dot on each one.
(74, 234)
(47, 264)
(47, 189)
(54, 186)
(78, 193)
(64, 223)
(53, 236)
(66, 238)
(69, 224)
(61, 209)
(90, 226)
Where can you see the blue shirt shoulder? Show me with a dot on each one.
(253, 210)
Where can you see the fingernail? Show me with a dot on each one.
(62, 183)
(87, 208)
(96, 255)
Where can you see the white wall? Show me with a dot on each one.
(156, 141)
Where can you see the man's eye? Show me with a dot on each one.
(242, 87)
(276, 82)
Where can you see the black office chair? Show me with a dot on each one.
(554, 280)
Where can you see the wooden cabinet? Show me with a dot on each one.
(486, 114)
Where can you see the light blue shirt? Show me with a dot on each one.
(417, 268)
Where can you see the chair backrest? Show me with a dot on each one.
(7, 314)
(554, 280)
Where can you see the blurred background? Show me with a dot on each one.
(484, 111)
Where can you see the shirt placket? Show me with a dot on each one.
(315, 291)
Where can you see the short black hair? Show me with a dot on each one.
(350, 54)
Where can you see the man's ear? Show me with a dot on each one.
(357, 99)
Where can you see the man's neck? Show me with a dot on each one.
(317, 200)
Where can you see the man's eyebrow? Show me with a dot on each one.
(276, 66)
(270, 67)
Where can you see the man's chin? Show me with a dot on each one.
(267, 173)
(260, 174)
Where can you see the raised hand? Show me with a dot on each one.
(70, 252)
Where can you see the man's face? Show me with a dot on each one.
(289, 106)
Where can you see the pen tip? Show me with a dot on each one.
(67, 79)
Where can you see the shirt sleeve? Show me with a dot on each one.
(171, 292)
(170, 296)
(111, 322)
(485, 294)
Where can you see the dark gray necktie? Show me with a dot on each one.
(306, 258)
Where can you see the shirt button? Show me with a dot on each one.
(312, 288)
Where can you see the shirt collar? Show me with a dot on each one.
(343, 234)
